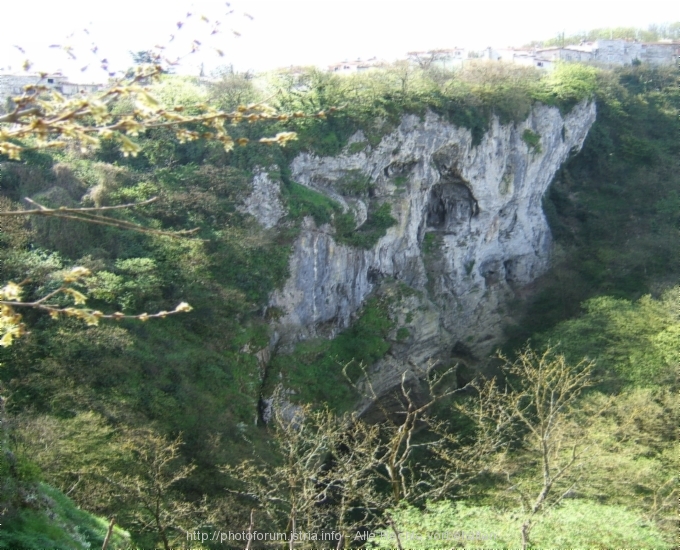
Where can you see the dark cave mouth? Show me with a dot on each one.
(450, 205)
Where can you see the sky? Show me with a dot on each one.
(281, 33)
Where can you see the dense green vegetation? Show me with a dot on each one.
(634, 343)
(81, 397)
(532, 139)
(375, 102)
(55, 522)
(316, 367)
(612, 207)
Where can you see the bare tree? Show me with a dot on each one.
(529, 418)
(425, 60)
(323, 482)
(394, 456)
(149, 484)
(343, 473)
(332, 468)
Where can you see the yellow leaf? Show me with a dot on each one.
(90, 319)
(76, 273)
(11, 150)
(11, 291)
(228, 144)
(128, 147)
(6, 340)
(146, 101)
(78, 297)
(284, 137)
(186, 135)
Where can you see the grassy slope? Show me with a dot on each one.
(51, 520)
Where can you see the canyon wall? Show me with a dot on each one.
(470, 233)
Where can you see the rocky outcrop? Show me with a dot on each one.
(470, 231)
(264, 203)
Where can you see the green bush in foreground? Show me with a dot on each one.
(54, 522)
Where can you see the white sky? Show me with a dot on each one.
(295, 32)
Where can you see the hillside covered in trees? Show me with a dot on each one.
(193, 424)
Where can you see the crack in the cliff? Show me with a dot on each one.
(397, 169)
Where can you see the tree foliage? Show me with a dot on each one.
(653, 33)
(633, 343)
(43, 119)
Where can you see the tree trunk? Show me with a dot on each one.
(109, 532)
(526, 527)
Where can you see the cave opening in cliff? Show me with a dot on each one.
(449, 205)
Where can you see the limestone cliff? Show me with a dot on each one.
(470, 231)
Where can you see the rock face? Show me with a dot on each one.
(470, 233)
(264, 203)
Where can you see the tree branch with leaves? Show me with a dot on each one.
(43, 119)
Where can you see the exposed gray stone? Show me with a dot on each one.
(264, 203)
(481, 205)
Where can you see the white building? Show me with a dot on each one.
(606, 53)
(521, 56)
(614, 52)
(358, 66)
(12, 85)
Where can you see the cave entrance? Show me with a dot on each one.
(449, 205)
